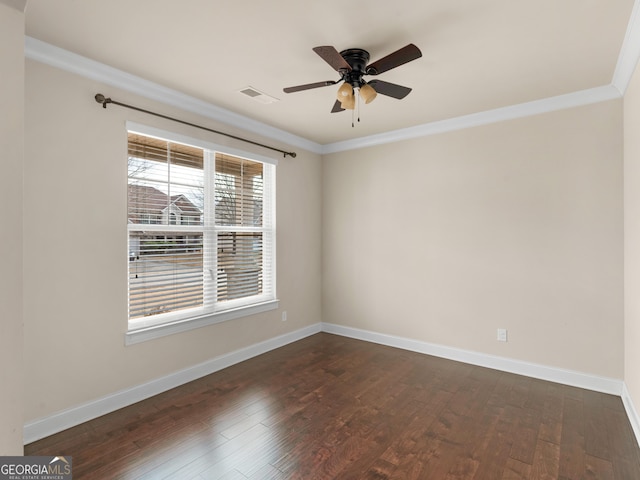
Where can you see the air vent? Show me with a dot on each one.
(257, 95)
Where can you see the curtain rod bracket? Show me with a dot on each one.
(100, 98)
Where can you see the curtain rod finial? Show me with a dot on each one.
(102, 99)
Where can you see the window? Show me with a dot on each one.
(201, 233)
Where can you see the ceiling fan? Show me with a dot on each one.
(352, 66)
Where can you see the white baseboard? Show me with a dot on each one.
(632, 413)
(552, 374)
(73, 416)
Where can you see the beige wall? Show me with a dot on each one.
(442, 239)
(75, 244)
(11, 160)
(513, 225)
(632, 238)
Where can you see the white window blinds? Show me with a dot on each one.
(201, 231)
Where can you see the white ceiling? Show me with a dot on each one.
(477, 55)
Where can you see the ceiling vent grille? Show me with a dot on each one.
(257, 95)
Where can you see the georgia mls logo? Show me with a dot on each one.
(66, 465)
(35, 468)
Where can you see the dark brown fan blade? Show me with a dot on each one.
(337, 107)
(395, 59)
(330, 55)
(390, 89)
(308, 86)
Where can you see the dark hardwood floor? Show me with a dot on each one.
(331, 407)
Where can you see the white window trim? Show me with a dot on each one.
(172, 324)
(184, 325)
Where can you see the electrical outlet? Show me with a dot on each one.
(284, 316)
(502, 335)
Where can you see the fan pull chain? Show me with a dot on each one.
(356, 105)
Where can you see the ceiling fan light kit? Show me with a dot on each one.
(368, 93)
(344, 92)
(352, 65)
(349, 103)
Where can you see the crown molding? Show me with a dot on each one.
(625, 68)
(629, 53)
(46, 53)
(560, 102)
(63, 59)
(19, 5)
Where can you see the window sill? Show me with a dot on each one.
(157, 331)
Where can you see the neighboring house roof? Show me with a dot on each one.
(185, 205)
(145, 200)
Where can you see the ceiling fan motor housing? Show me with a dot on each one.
(357, 59)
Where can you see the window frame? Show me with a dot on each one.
(140, 330)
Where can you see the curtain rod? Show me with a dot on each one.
(105, 100)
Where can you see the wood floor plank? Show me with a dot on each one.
(598, 469)
(495, 457)
(551, 420)
(596, 438)
(516, 470)
(526, 435)
(231, 475)
(330, 407)
(625, 455)
(572, 461)
(546, 461)
(415, 431)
